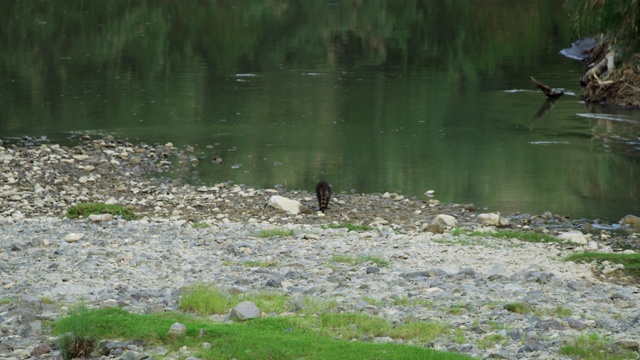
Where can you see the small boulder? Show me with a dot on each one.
(631, 221)
(445, 220)
(73, 237)
(489, 219)
(96, 218)
(574, 237)
(246, 310)
(177, 329)
(282, 203)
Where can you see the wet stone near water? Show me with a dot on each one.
(469, 283)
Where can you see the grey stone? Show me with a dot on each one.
(177, 329)
(549, 324)
(467, 271)
(575, 324)
(497, 270)
(372, 270)
(246, 310)
(273, 283)
(40, 350)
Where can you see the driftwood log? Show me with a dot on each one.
(546, 90)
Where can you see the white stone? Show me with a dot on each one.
(489, 219)
(110, 303)
(574, 237)
(73, 237)
(81, 157)
(100, 217)
(445, 220)
(282, 203)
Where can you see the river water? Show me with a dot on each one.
(398, 96)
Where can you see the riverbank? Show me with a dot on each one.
(464, 280)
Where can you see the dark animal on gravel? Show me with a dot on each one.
(323, 192)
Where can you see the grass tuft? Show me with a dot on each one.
(595, 347)
(75, 346)
(206, 300)
(275, 232)
(78, 340)
(200, 224)
(631, 262)
(350, 227)
(528, 236)
(85, 209)
(519, 308)
(351, 260)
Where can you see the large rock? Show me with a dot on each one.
(489, 219)
(282, 203)
(492, 219)
(445, 220)
(177, 329)
(246, 310)
(574, 237)
(631, 220)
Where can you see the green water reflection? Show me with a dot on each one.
(377, 96)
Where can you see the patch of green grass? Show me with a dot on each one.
(206, 299)
(406, 301)
(265, 338)
(350, 326)
(459, 336)
(350, 227)
(250, 263)
(268, 302)
(559, 311)
(494, 325)
(373, 301)
(595, 347)
(421, 331)
(275, 232)
(631, 262)
(528, 236)
(259, 263)
(356, 260)
(200, 224)
(490, 340)
(79, 340)
(5, 301)
(85, 209)
(458, 309)
(466, 238)
(519, 308)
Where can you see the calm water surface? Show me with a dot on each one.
(398, 96)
